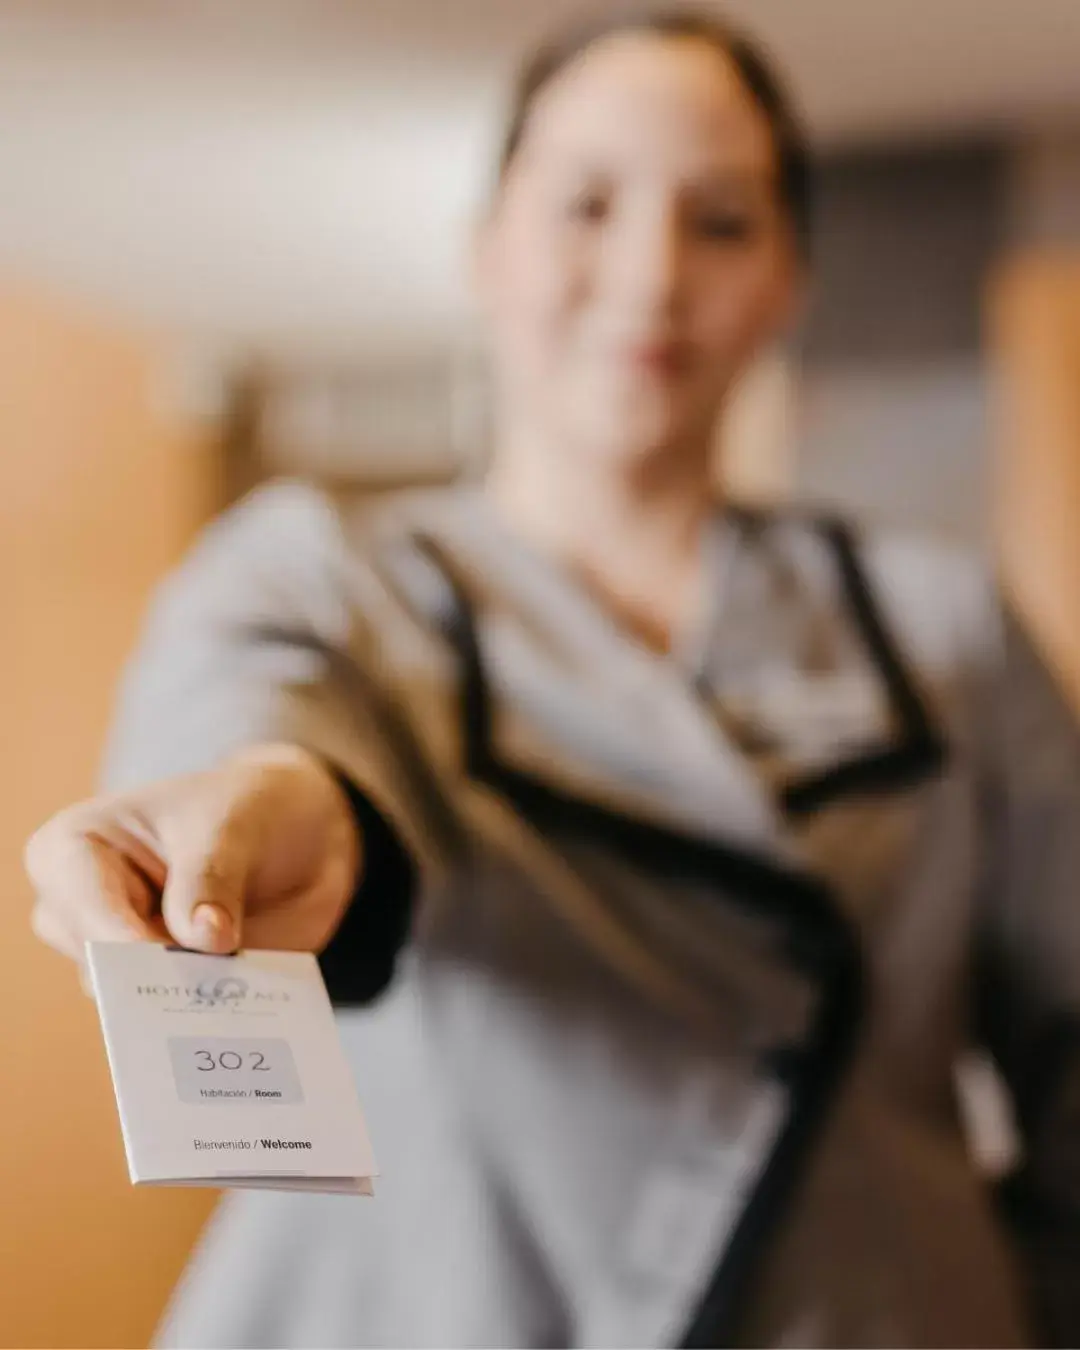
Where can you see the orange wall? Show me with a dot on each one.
(1034, 335)
(99, 492)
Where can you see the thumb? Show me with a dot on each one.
(203, 899)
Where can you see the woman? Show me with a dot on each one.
(674, 851)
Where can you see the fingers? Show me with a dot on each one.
(203, 900)
(183, 858)
(81, 883)
(51, 929)
(84, 890)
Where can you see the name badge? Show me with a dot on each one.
(228, 1070)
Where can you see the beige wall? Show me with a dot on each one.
(1035, 353)
(99, 491)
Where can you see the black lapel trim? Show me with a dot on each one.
(814, 1073)
(919, 752)
(819, 941)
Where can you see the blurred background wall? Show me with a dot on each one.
(233, 243)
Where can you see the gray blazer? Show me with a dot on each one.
(658, 1047)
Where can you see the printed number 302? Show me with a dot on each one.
(229, 1059)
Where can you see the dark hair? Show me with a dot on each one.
(754, 68)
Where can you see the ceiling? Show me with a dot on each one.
(300, 173)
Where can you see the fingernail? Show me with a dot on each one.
(214, 926)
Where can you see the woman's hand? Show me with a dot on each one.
(262, 851)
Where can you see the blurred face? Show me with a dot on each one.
(638, 256)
